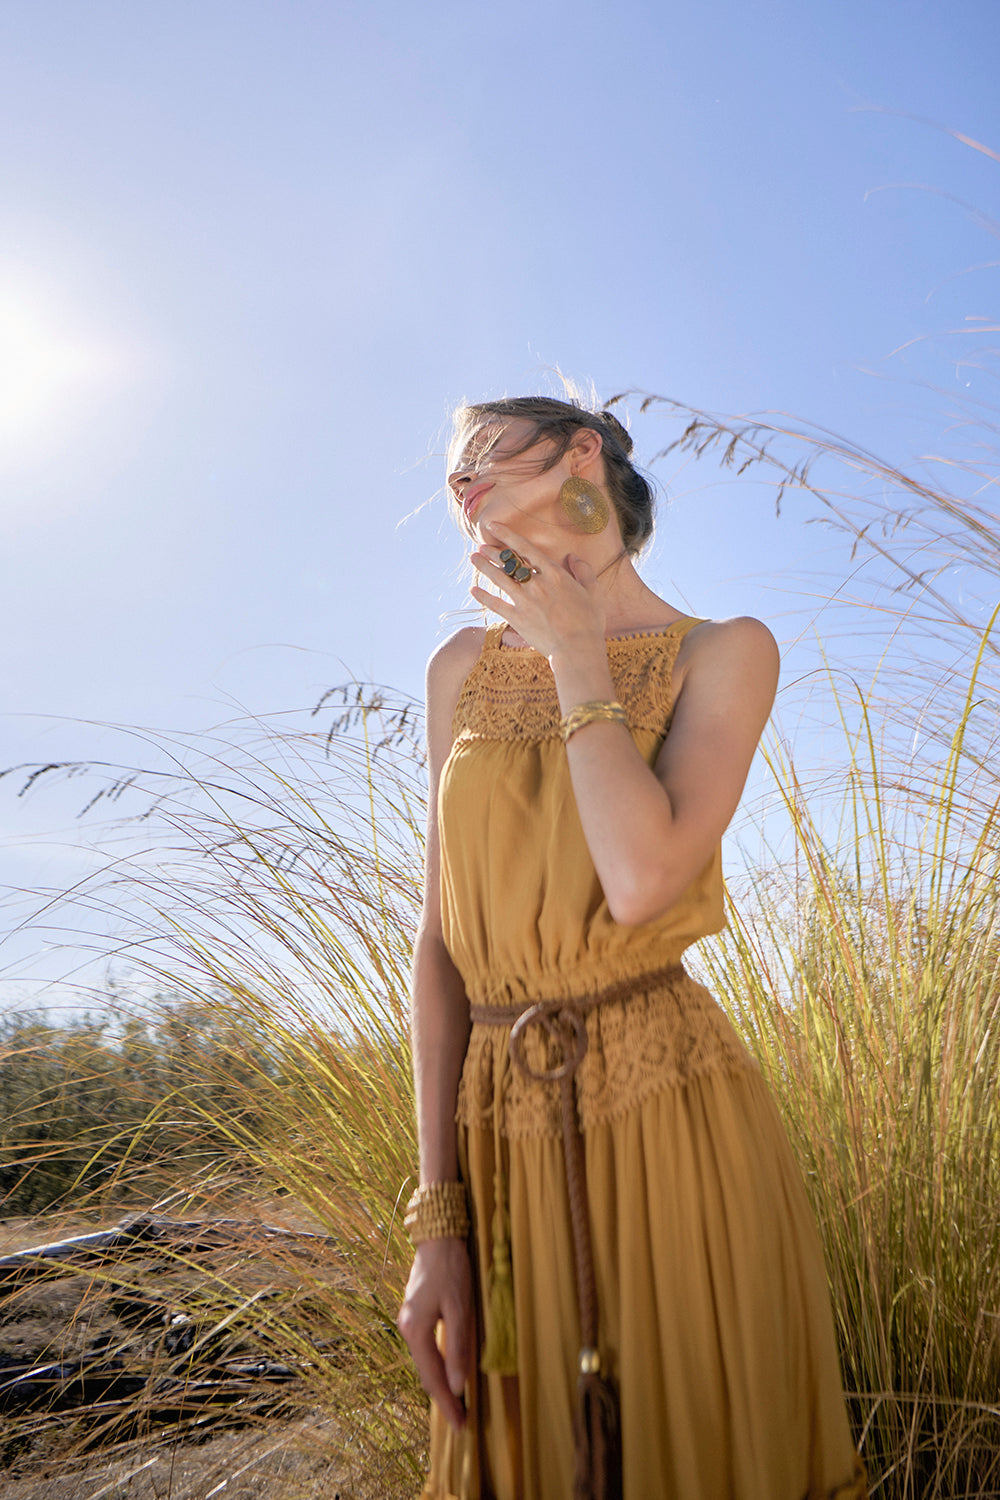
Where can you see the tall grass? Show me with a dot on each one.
(77, 1098)
(865, 975)
(268, 915)
(275, 904)
(293, 937)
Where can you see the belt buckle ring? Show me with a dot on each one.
(559, 1021)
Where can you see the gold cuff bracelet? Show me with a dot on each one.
(438, 1211)
(597, 712)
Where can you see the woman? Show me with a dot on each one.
(642, 1306)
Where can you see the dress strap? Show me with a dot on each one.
(494, 635)
(683, 627)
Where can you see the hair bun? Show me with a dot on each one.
(620, 432)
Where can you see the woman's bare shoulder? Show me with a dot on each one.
(451, 662)
(449, 666)
(723, 652)
(738, 635)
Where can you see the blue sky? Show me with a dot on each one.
(252, 253)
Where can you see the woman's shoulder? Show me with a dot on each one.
(453, 659)
(737, 635)
(738, 649)
(448, 667)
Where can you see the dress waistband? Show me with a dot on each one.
(507, 1015)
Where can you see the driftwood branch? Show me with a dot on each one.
(185, 1369)
(180, 1236)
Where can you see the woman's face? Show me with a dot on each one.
(494, 482)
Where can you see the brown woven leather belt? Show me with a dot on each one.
(597, 1458)
(509, 1015)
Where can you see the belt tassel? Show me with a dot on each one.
(499, 1355)
(597, 1438)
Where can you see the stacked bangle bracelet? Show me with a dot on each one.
(438, 1211)
(598, 712)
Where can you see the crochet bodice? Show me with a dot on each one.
(523, 910)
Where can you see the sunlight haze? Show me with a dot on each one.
(251, 254)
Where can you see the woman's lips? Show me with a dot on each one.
(473, 497)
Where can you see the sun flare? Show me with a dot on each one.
(52, 368)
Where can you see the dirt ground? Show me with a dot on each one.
(140, 1318)
(281, 1464)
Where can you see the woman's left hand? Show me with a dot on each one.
(557, 607)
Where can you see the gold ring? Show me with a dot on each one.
(514, 566)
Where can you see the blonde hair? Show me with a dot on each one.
(630, 491)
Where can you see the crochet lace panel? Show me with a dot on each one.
(651, 1041)
(510, 694)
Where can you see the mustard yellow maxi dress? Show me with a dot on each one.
(712, 1293)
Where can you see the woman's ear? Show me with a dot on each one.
(585, 449)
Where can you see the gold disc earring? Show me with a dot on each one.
(584, 504)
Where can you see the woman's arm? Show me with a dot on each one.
(649, 831)
(440, 1009)
(439, 1288)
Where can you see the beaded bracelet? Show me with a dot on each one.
(438, 1211)
(598, 712)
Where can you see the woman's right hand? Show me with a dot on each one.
(440, 1290)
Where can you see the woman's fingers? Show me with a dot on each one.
(439, 1290)
(503, 565)
(507, 537)
(581, 570)
(493, 571)
(493, 568)
(495, 602)
(433, 1372)
(546, 602)
(458, 1348)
